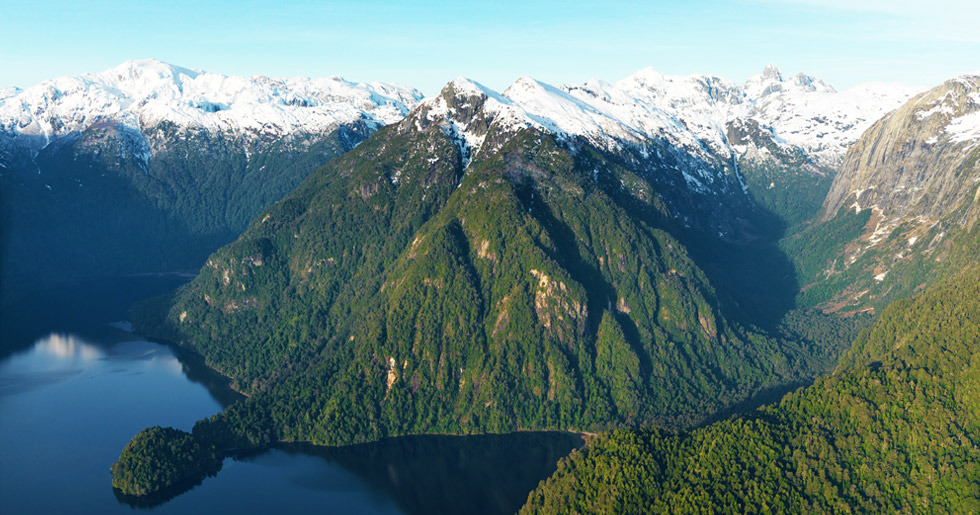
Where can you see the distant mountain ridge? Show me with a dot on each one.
(802, 111)
(704, 138)
(146, 93)
(149, 167)
(693, 112)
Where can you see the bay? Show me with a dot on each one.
(76, 384)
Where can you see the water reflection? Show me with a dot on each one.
(484, 474)
(476, 475)
(68, 347)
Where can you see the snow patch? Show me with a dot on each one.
(964, 128)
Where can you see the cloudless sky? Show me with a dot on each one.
(426, 44)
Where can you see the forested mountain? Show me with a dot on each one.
(491, 263)
(575, 258)
(508, 294)
(149, 167)
(902, 208)
(896, 429)
(190, 157)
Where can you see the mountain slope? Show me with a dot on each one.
(470, 269)
(195, 155)
(908, 191)
(149, 167)
(514, 272)
(493, 262)
(896, 430)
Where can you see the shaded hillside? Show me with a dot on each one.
(397, 292)
(150, 167)
(86, 207)
(894, 430)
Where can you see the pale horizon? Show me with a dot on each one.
(842, 43)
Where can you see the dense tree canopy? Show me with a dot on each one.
(160, 458)
(895, 430)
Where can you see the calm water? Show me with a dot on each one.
(76, 385)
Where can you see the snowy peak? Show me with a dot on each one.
(680, 90)
(144, 93)
(143, 77)
(464, 88)
(771, 71)
(919, 162)
(694, 113)
(765, 83)
(463, 99)
(771, 81)
(953, 108)
(464, 110)
(563, 113)
(811, 83)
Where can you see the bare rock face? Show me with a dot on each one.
(919, 162)
(915, 176)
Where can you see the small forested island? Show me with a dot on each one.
(162, 458)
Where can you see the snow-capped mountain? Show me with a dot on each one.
(698, 137)
(691, 112)
(919, 163)
(146, 93)
(199, 154)
(166, 162)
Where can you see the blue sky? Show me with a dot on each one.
(426, 44)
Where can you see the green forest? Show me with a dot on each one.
(63, 221)
(393, 294)
(161, 458)
(896, 429)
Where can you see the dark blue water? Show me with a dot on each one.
(76, 385)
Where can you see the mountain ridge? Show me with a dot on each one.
(145, 94)
(480, 266)
(137, 93)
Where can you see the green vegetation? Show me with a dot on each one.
(841, 268)
(162, 458)
(895, 430)
(788, 186)
(393, 294)
(396, 292)
(86, 207)
(817, 248)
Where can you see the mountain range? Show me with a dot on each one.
(149, 167)
(192, 156)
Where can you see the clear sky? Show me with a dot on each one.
(426, 44)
